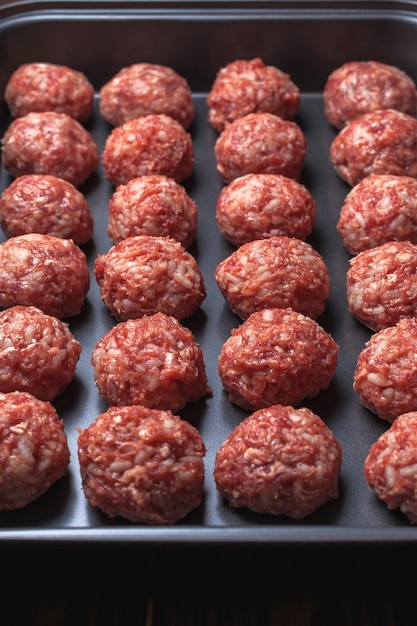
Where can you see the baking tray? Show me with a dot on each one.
(308, 40)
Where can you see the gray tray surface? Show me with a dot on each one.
(196, 39)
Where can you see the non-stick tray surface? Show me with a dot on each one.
(196, 39)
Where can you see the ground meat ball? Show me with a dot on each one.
(258, 206)
(38, 87)
(44, 271)
(276, 272)
(390, 467)
(152, 205)
(382, 285)
(143, 275)
(49, 143)
(152, 144)
(38, 203)
(143, 89)
(38, 353)
(380, 142)
(358, 87)
(280, 461)
(276, 356)
(244, 87)
(34, 452)
(377, 210)
(142, 464)
(260, 143)
(386, 368)
(153, 361)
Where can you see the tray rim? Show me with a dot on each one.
(233, 536)
(381, 9)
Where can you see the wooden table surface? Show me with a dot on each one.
(219, 587)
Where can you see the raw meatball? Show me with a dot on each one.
(386, 368)
(39, 203)
(244, 87)
(38, 353)
(260, 143)
(153, 361)
(382, 284)
(49, 143)
(142, 464)
(34, 452)
(152, 205)
(44, 271)
(377, 210)
(38, 87)
(258, 206)
(143, 89)
(358, 87)
(390, 467)
(281, 461)
(152, 144)
(276, 272)
(380, 142)
(276, 356)
(143, 275)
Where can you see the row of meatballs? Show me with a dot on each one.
(295, 330)
(375, 154)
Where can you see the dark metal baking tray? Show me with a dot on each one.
(307, 40)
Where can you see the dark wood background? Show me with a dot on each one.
(243, 586)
